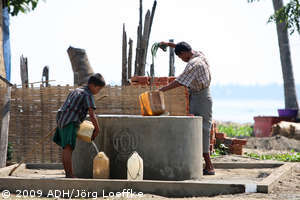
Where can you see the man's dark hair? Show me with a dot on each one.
(97, 80)
(182, 47)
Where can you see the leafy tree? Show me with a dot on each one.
(17, 6)
(289, 13)
(286, 17)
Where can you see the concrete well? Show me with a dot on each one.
(170, 146)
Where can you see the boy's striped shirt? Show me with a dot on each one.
(76, 106)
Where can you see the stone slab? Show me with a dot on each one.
(106, 187)
(267, 184)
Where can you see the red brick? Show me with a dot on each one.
(220, 135)
(239, 141)
(238, 152)
(163, 79)
(213, 141)
(236, 147)
(143, 79)
(211, 148)
(171, 79)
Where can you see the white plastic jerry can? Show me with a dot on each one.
(135, 167)
(101, 166)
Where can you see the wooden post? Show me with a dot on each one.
(139, 41)
(5, 128)
(5, 124)
(144, 44)
(24, 71)
(171, 60)
(129, 59)
(148, 34)
(46, 76)
(124, 58)
(145, 39)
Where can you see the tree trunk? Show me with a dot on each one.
(143, 52)
(139, 41)
(137, 54)
(2, 67)
(124, 58)
(171, 60)
(129, 59)
(80, 64)
(24, 71)
(286, 62)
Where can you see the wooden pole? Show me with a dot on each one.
(171, 60)
(146, 36)
(148, 33)
(144, 44)
(124, 58)
(139, 41)
(24, 71)
(129, 59)
(137, 53)
(5, 128)
(45, 76)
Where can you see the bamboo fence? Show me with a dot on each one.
(33, 113)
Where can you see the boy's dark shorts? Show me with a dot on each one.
(66, 135)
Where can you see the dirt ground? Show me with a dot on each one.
(288, 188)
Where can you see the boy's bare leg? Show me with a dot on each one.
(67, 161)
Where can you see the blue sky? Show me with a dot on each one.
(241, 47)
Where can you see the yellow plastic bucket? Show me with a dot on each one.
(152, 103)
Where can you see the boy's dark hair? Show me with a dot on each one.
(182, 47)
(97, 79)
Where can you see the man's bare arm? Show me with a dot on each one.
(172, 85)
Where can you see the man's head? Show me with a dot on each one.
(184, 51)
(95, 83)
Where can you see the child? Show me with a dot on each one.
(78, 103)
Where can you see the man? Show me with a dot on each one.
(196, 77)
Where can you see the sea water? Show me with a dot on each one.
(243, 110)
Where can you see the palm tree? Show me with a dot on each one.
(286, 61)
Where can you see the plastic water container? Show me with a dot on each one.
(101, 166)
(152, 103)
(85, 131)
(135, 167)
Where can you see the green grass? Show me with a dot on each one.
(235, 131)
(286, 157)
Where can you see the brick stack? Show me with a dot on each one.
(234, 145)
(145, 80)
(213, 132)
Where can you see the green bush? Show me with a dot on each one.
(9, 151)
(220, 150)
(286, 157)
(235, 130)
